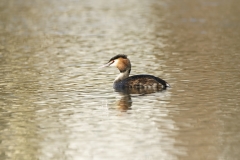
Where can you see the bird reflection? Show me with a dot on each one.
(125, 102)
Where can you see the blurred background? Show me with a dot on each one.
(56, 104)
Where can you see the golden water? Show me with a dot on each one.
(55, 103)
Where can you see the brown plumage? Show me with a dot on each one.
(143, 81)
(123, 64)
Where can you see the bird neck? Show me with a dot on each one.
(122, 76)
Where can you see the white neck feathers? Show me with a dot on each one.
(122, 76)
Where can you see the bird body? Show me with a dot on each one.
(137, 81)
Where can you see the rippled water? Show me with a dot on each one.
(57, 104)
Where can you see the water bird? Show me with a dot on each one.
(137, 81)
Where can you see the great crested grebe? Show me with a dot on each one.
(137, 81)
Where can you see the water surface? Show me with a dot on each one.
(57, 104)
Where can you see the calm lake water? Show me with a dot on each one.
(56, 104)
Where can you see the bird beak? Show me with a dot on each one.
(106, 65)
